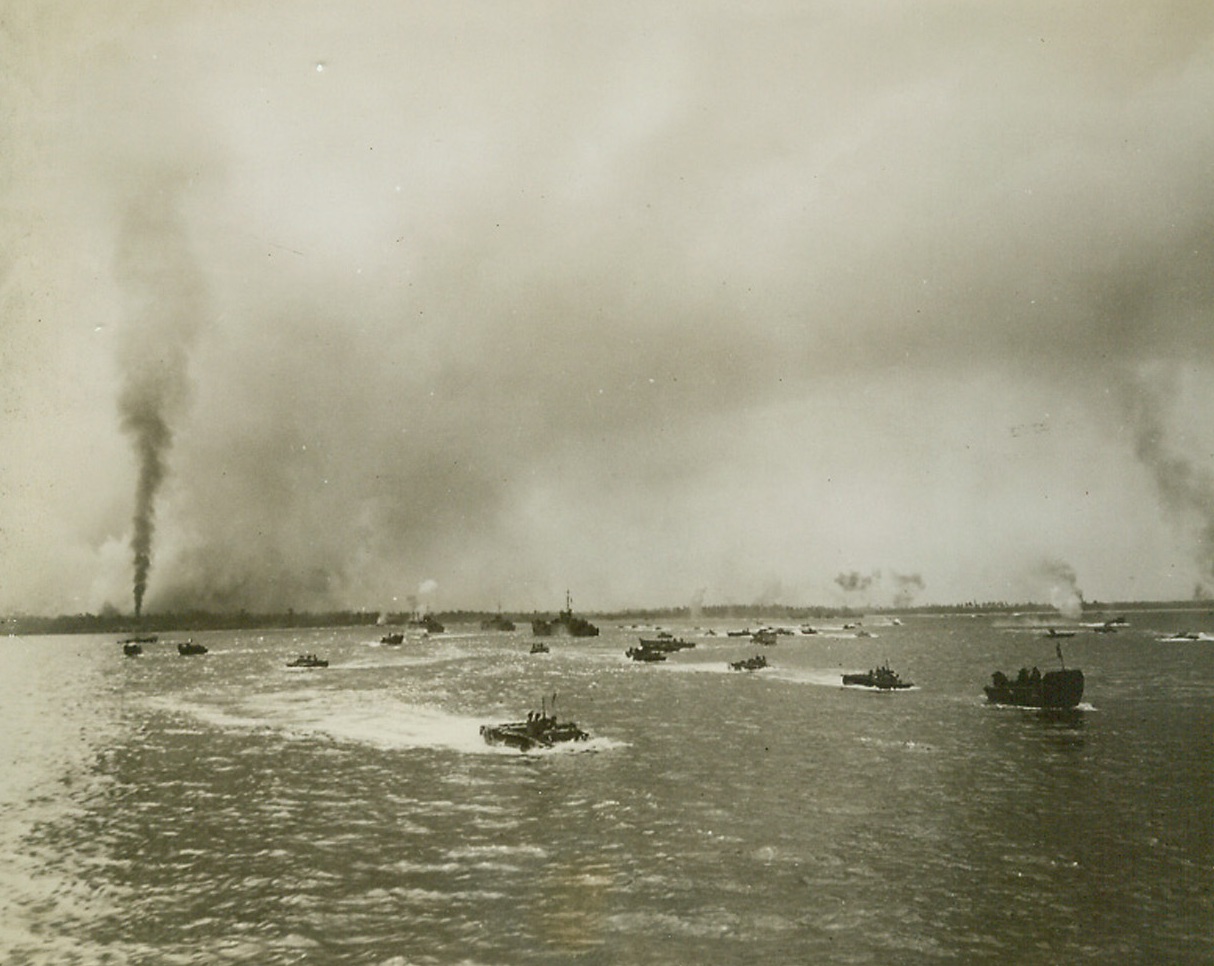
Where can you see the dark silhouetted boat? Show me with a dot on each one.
(540, 730)
(881, 678)
(1054, 632)
(666, 643)
(539, 647)
(189, 648)
(132, 648)
(395, 638)
(565, 624)
(308, 660)
(765, 636)
(648, 655)
(1054, 689)
(427, 623)
(756, 663)
(1185, 637)
(497, 623)
(1032, 689)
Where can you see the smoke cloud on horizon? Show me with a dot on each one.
(653, 307)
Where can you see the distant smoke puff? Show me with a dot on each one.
(1065, 595)
(907, 585)
(854, 582)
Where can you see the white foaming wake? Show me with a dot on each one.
(818, 677)
(352, 716)
(371, 719)
(576, 747)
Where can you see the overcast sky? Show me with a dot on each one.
(332, 305)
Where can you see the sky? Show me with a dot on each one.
(464, 305)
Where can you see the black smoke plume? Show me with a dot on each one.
(142, 419)
(164, 292)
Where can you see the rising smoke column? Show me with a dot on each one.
(1185, 490)
(165, 296)
(142, 418)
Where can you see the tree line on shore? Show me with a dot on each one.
(198, 620)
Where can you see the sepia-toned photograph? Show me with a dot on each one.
(530, 483)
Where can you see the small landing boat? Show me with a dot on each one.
(1031, 689)
(308, 660)
(881, 678)
(665, 643)
(540, 730)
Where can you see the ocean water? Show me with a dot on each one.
(227, 809)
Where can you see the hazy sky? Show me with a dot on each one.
(801, 302)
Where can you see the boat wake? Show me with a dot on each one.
(995, 706)
(366, 719)
(816, 677)
(342, 716)
(819, 677)
(715, 667)
(588, 746)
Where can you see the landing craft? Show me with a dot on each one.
(564, 624)
(1053, 690)
(881, 678)
(540, 730)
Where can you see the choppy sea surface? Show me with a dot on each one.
(227, 809)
